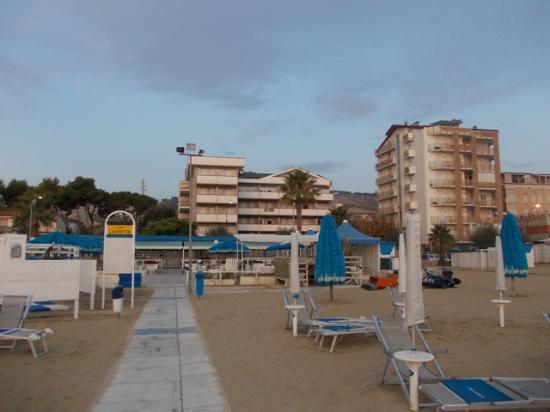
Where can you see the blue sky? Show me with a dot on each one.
(108, 89)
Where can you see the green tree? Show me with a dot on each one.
(134, 203)
(83, 193)
(157, 212)
(340, 213)
(441, 240)
(379, 226)
(42, 212)
(168, 226)
(484, 236)
(299, 190)
(14, 190)
(217, 231)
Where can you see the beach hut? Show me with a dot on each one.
(367, 247)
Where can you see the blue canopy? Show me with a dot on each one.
(330, 267)
(386, 248)
(228, 246)
(86, 243)
(281, 246)
(351, 235)
(513, 248)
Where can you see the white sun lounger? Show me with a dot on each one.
(489, 394)
(13, 311)
(314, 314)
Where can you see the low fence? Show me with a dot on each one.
(542, 253)
(484, 259)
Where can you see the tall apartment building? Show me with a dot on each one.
(447, 173)
(223, 194)
(522, 191)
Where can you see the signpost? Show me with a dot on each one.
(119, 248)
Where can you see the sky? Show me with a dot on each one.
(108, 89)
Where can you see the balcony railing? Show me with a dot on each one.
(486, 168)
(386, 194)
(443, 220)
(383, 164)
(411, 205)
(443, 201)
(389, 177)
(449, 165)
(411, 187)
(385, 148)
(440, 147)
(387, 210)
(442, 183)
(410, 170)
(409, 153)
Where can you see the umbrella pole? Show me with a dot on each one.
(513, 287)
(331, 293)
(413, 346)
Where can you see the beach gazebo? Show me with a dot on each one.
(367, 247)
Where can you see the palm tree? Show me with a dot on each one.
(299, 190)
(441, 239)
(340, 213)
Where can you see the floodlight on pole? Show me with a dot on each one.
(190, 150)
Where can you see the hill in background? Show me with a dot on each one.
(357, 202)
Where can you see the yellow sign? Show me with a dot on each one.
(120, 230)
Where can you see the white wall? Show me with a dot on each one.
(482, 259)
(48, 279)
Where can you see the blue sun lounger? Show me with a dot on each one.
(488, 394)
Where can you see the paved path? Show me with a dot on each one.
(165, 367)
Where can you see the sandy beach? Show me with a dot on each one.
(262, 367)
(82, 358)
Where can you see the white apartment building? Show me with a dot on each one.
(447, 173)
(223, 194)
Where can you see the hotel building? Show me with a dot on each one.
(447, 173)
(523, 191)
(223, 194)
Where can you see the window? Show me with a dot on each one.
(518, 179)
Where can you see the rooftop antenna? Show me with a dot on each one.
(142, 187)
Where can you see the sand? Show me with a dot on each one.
(82, 359)
(263, 368)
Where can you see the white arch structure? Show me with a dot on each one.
(119, 250)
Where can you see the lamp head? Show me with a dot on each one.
(180, 150)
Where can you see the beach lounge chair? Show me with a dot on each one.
(314, 314)
(338, 330)
(488, 393)
(13, 311)
(393, 337)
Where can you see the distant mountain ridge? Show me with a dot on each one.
(357, 200)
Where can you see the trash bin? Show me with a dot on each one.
(118, 299)
(199, 283)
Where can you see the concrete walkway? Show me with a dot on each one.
(165, 367)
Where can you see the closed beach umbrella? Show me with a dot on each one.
(414, 302)
(330, 266)
(402, 265)
(294, 267)
(513, 250)
(500, 281)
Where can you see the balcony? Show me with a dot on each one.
(488, 204)
(386, 194)
(217, 180)
(411, 205)
(410, 170)
(440, 147)
(260, 195)
(383, 164)
(217, 199)
(468, 202)
(387, 210)
(465, 148)
(287, 212)
(215, 218)
(443, 201)
(443, 220)
(388, 146)
(448, 183)
(409, 153)
(485, 168)
(485, 151)
(411, 187)
(408, 137)
(385, 178)
(449, 165)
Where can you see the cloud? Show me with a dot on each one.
(344, 107)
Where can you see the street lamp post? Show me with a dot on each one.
(537, 206)
(33, 201)
(190, 150)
